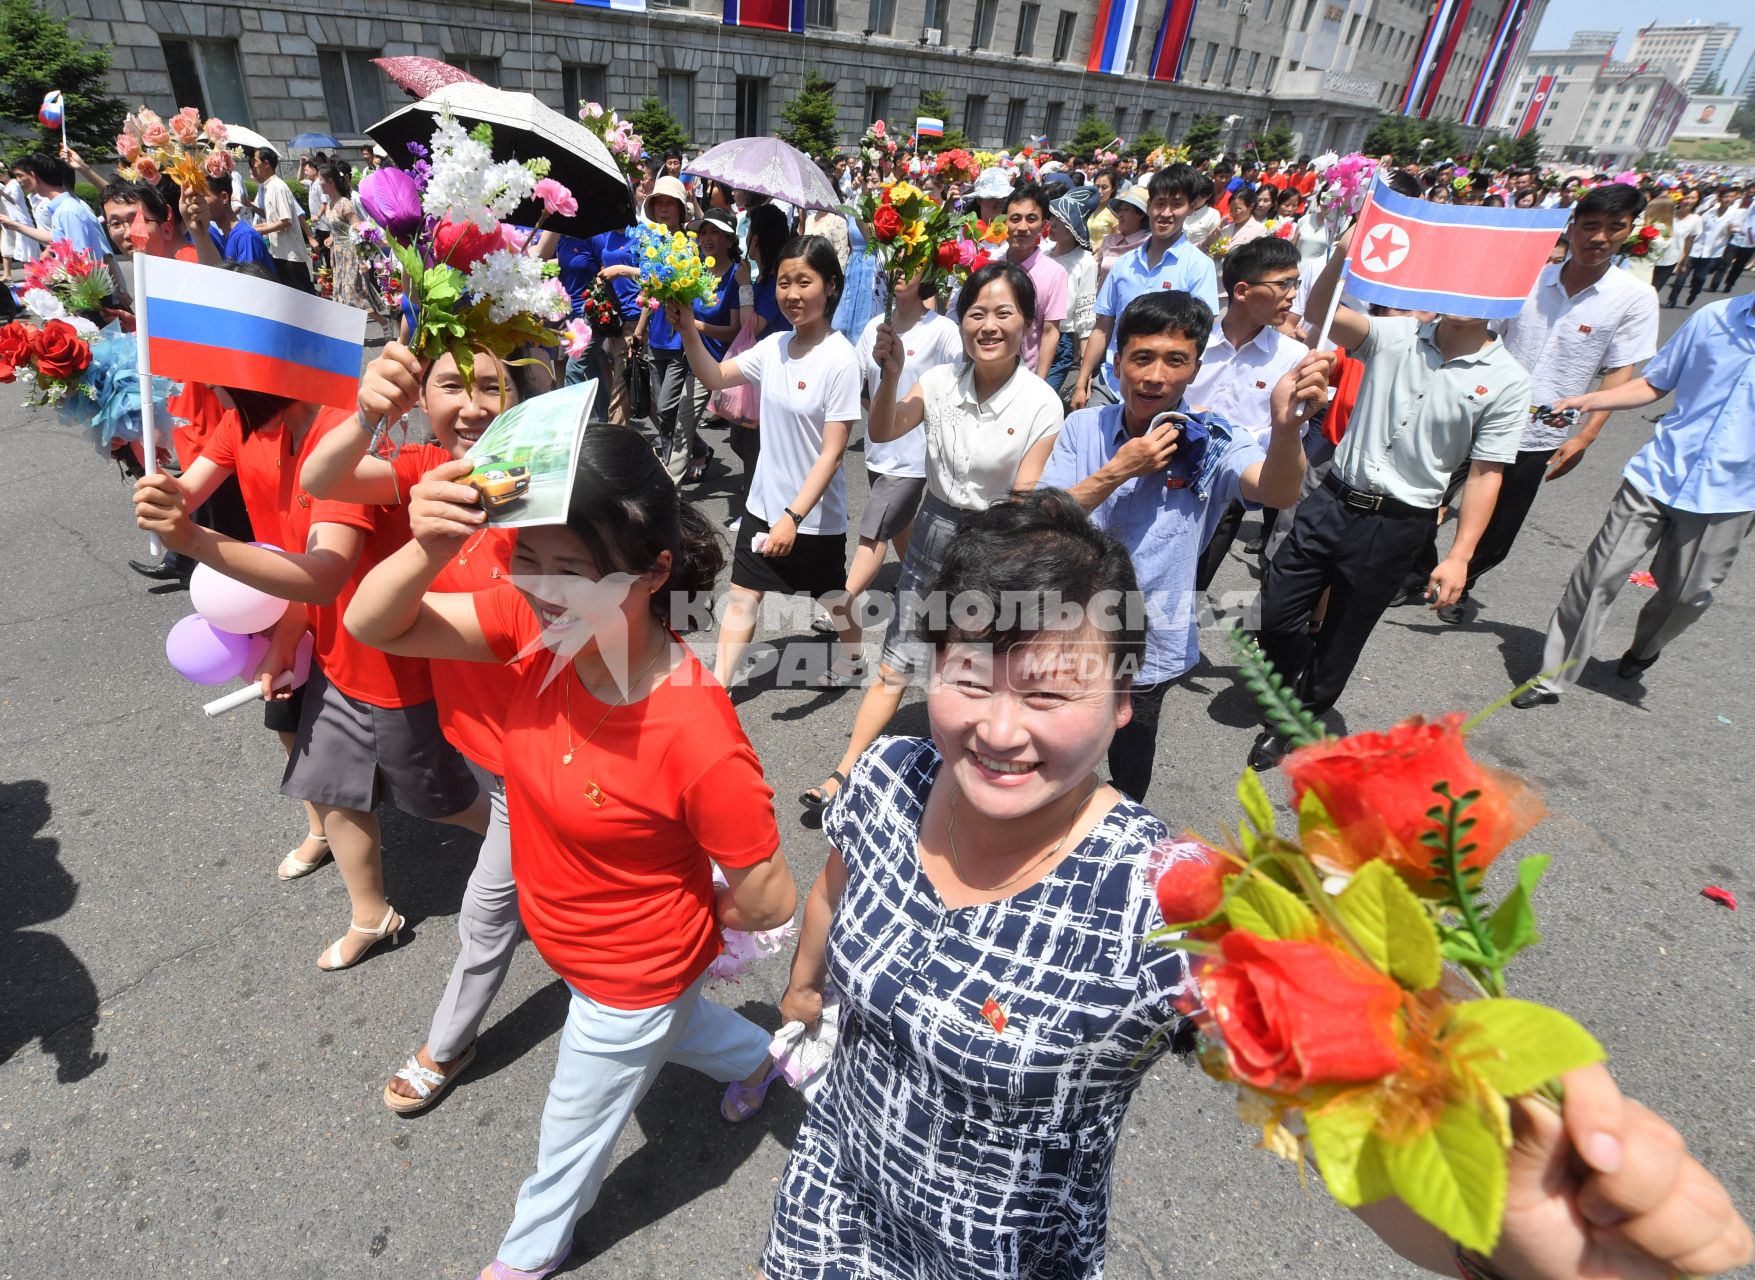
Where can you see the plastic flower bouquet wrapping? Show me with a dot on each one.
(906, 229)
(1345, 181)
(184, 147)
(1351, 975)
(672, 268)
(1649, 240)
(67, 284)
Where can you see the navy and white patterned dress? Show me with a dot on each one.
(943, 1147)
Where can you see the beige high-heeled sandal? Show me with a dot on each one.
(383, 933)
(293, 867)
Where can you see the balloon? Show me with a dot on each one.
(230, 605)
(205, 655)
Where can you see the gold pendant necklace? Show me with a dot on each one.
(594, 793)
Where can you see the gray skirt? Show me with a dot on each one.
(890, 506)
(353, 755)
(934, 527)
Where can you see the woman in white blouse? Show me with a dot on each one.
(990, 425)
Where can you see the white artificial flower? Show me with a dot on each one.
(83, 327)
(44, 305)
(514, 284)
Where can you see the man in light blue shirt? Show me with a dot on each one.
(70, 218)
(1167, 261)
(1160, 489)
(1692, 486)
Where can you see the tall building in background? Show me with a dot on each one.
(1590, 108)
(1691, 52)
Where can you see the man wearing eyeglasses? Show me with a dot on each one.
(1244, 358)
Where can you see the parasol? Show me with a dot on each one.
(769, 167)
(312, 142)
(236, 135)
(423, 76)
(525, 129)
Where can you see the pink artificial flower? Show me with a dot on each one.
(127, 146)
(146, 119)
(146, 169)
(591, 111)
(186, 126)
(218, 163)
(877, 129)
(576, 338)
(216, 131)
(155, 134)
(556, 198)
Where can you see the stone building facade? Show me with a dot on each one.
(1010, 68)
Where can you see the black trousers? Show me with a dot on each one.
(1518, 487)
(1135, 745)
(1224, 534)
(1360, 558)
(295, 275)
(1695, 271)
(746, 443)
(1660, 276)
(1730, 268)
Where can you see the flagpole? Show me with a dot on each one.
(1334, 303)
(143, 370)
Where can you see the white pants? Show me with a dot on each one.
(608, 1059)
(488, 928)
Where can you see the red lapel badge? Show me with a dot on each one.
(995, 1016)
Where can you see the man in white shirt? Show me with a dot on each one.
(1740, 245)
(1243, 360)
(282, 220)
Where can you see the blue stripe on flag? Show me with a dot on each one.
(214, 326)
(1453, 304)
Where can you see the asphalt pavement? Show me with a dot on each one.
(183, 1093)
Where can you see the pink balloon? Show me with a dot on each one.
(230, 605)
(199, 652)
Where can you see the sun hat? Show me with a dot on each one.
(1135, 197)
(993, 184)
(1066, 209)
(669, 186)
(718, 218)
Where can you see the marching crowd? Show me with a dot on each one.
(1089, 417)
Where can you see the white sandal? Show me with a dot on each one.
(429, 1085)
(381, 934)
(293, 867)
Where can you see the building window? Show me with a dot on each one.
(582, 82)
(486, 70)
(985, 12)
(819, 13)
(1025, 45)
(975, 117)
(877, 105)
(1147, 120)
(752, 107)
(1309, 9)
(881, 17)
(353, 87)
(1015, 131)
(1352, 29)
(1231, 65)
(1267, 10)
(1249, 75)
(1273, 70)
(1206, 63)
(935, 14)
(1121, 122)
(1051, 119)
(676, 89)
(205, 75)
(1063, 33)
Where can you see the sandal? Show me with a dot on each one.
(383, 933)
(817, 799)
(823, 627)
(497, 1270)
(429, 1085)
(741, 1101)
(839, 677)
(293, 867)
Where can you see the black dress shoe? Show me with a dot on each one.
(1255, 546)
(165, 570)
(1537, 697)
(1630, 667)
(1409, 595)
(1269, 749)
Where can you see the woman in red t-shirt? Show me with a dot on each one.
(471, 696)
(366, 728)
(627, 778)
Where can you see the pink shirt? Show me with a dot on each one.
(1052, 302)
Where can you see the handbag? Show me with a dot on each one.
(639, 383)
(739, 405)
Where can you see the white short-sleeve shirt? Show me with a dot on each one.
(1237, 383)
(799, 395)
(973, 447)
(934, 340)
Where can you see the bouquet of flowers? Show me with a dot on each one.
(183, 147)
(600, 308)
(672, 268)
(1159, 157)
(1217, 246)
(905, 228)
(875, 145)
(956, 165)
(1345, 180)
(92, 380)
(1649, 240)
(617, 134)
(73, 285)
(1320, 960)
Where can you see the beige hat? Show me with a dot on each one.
(1138, 197)
(672, 187)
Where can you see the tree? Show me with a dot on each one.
(1526, 152)
(1093, 134)
(1205, 138)
(1410, 141)
(1743, 123)
(1146, 143)
(658, 129)
(934, 105)
(1275, 144)
(810, 116)
(1710, 87)
(40, 53)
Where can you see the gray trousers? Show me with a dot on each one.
(489, 929)
(1694, 554)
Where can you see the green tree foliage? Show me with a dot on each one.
(1275, 144)
(658, 129)
(1710, 87)
(1146, 143)
(810, 117)
(1205, 138)
(1743, 123)
(1093, 134)
(935, 105)
(39, 53)
(1410, 141)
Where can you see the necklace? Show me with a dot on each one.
(593, 792)
(957, 861)
(463, 556)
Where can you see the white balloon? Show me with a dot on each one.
(230, 605)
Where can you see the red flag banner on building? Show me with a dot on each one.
(1460, 260)
(1167, 54)
(1459, 22)
(1538, 100)
(770, 15)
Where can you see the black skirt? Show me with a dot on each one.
(816, 566)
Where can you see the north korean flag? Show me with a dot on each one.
(1460, 260)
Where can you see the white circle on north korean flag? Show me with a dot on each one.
(1385, 247)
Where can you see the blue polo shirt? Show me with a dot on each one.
(1164, 529)
(612, 249)
(1701, 458)
(1181, 266)
(70, 218)
(578, 265)
(243, 244)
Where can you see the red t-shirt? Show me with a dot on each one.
(471, 696)
(197, 403)
(618, 898)
(1305, 183)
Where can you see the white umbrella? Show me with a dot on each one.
(238, 136)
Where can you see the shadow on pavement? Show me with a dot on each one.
(46, 991)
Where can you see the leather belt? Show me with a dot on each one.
(1381, 503)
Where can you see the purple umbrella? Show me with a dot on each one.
(768, 167)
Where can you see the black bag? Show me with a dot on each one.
(639, 383)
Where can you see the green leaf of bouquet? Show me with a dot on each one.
(1254, 799)
(1265, 909)
(1346, 1152)
(1512, 925)
(1389, 922)
(1312, 814)
(1453, 1176)
(1517, 1045)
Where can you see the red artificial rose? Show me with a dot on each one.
(1640, 250)
(946, 254)
(1377, 789)
(463, 244)
(1648, 233)
(61, 352)
(886, 223)
(980, 260)
(1193, 885)
(17, 342)
(1301, 1013)
(883, 195)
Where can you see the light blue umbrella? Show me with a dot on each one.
(313, 142)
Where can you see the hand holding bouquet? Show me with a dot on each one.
(67, 284)
(671, 268)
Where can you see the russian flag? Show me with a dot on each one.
(1172, 39)
(1486, 89)
(928, 127)
(1460, 260)
(770, 15)
(204, 324)
(625, 6)
(53, 111)
(1112, 36)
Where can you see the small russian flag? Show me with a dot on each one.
(203, 324)
(927, 127)
(53, 111)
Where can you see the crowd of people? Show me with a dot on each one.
(1087, 419)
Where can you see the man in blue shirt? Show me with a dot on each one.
(1167, 260)
(1692, 488)
(1161, 489)
(70, 218)
(217, 234)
